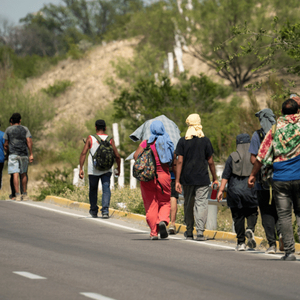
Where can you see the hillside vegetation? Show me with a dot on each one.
(70, 64)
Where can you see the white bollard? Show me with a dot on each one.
(132, 179)
(178, 54)
(77, 181)
(116, 134)
(121, 179)
(112, 179)
(75, 176)
(171, 64)
(212, 214)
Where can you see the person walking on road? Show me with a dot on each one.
(17, 141)
(2, 155)
(156, 193)
(241, 200)
(282, 150)
(195, 155)
(267, 206)
(91, 145)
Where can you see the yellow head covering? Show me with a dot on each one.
(195, 127)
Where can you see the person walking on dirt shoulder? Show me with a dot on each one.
(17, 140)
(97, 173)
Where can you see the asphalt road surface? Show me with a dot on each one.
(48, 252)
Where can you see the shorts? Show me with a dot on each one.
(17, 164)
(173, 191)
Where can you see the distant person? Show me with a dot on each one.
(91, 145)
(157, 192)
(17, 141)
(268, 211)
(241, 200)
(174, 198)
(195, 155)
(282, 150)
(2, 155)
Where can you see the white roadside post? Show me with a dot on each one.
(112, 179)
(132, 179)
(77, 181)
(171, 64)
(116, 134)
(121, 179)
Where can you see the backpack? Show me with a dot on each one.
(103, 158)
(144, 168)
(265, 175)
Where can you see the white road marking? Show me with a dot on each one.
(96, 296)
(108, 223)
(29, 275)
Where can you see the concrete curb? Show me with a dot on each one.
(180, 228)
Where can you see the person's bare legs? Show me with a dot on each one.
(173, 211)
(16, 182)
(24, 182)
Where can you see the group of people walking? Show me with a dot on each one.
(185, 170)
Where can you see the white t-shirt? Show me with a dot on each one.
(94, 145)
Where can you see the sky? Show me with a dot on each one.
(14, 10)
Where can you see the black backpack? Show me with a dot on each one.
(104, 157)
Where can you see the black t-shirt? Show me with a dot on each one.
(195, 152)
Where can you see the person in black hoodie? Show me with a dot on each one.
(241, 200)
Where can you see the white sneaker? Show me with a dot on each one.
(271, 250)
(240, 247)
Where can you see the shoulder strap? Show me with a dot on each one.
(96, 136)
(274, 126)
(260, 134)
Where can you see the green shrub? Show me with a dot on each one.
(56, 183)
(57, 88)
(34, 109)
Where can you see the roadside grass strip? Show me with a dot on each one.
(29, 275)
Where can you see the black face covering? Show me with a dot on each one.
(241, 164)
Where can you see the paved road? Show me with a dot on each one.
(77, 257)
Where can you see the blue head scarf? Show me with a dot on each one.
(164, 145)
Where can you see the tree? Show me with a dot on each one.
(209, 25)
(148, 100)
(277, 42)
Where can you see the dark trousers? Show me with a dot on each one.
(1, 169)
(93, 193)
(269, 216)
(287, 197)
(239, 215)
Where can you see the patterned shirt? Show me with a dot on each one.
(286, 142)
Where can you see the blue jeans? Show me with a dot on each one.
(93, 193)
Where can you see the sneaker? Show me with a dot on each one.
(18, 197)
(271, 250)
(153, 237)
(163, 230)
(289, 257)
(251, 241)
(25, 197)
(172, 229)
(241, 247)
(281, 246)
(200, 237)
(12, 197)
(105, 216)
(188, 237)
